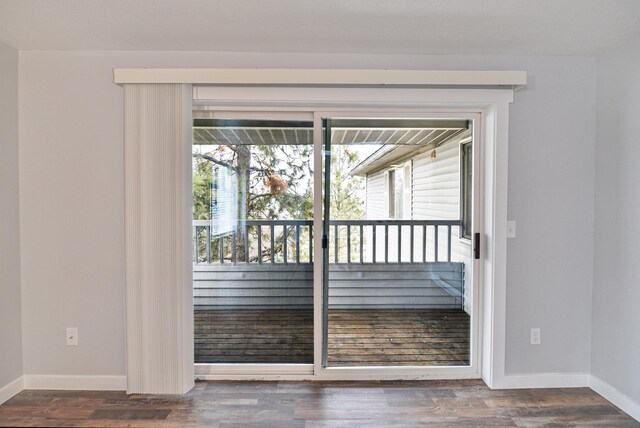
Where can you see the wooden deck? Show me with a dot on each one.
(398, 337)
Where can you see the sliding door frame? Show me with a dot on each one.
(255, 370)
(321, 368)
(490, 109)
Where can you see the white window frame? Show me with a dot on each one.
(463, 142)
(391, 194)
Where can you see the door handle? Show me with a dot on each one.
(476, 246)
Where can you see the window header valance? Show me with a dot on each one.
(321, 77)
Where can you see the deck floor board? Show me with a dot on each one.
(400, 337)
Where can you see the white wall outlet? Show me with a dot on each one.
(72, 336)
(511, 229)
(535, 336)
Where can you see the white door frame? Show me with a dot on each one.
(493, 107)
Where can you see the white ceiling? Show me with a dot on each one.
(555, 27)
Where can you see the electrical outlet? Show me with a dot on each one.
(72, 336)
(511, 229)
(535, 336)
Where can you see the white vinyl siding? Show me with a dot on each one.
(376, 205)
(435, 195)
(436, 184)
(377, 208)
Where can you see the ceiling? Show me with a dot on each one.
(545, 27)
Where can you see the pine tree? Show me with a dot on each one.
(274, 182)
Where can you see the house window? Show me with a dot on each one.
(466, 181)
(392, 194)
(396, 192)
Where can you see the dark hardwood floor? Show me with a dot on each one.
(435, 337)
(305, 404)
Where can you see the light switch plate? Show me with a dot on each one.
(511, 229)
(72, 336)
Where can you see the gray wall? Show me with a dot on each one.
(615, 347)
(551, 196)
(10, 319)
(71, 173)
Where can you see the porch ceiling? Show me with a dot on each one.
(419, 132)
(304, 135)
(396, 138)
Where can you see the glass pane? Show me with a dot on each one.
(397, 273)
(252, 231)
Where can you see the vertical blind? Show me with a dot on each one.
(159, 336)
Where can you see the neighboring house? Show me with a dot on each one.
(430, 182)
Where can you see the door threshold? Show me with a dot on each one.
(253, 369)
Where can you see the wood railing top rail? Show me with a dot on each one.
(201, 223)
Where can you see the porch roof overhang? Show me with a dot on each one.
(392, 153)
(397, 139)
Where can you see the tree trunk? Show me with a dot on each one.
(243, 163)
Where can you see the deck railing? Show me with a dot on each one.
(350, 241)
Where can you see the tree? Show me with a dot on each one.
(346, 197)
(347, 190)
(274, 182)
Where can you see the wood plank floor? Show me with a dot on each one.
(437, 337)
(399, 337)
(305, 404)
(254, 336)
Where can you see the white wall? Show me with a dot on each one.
(615, 348)
(72, 200)
(10, 319)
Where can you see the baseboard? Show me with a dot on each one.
(11, 389)
(104, 383)
(624, 402)
(542, 380)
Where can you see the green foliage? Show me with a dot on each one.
(347, 191)
(293, 165)
(255, 167)
(202, 176)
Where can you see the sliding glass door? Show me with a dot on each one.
(252, 237)
(397, 254)
(334, 241)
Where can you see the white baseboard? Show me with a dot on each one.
(11, 389)
(105, 383)
(624, 402)
(542, 380)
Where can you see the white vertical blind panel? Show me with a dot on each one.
(158, 238)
